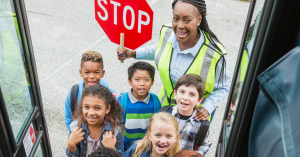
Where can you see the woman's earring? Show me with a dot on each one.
(174, 141)
(198, 24)
(150, 140)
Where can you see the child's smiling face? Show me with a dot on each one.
(162, 135)
(91, 72)
(141, 83)
(187, 97)
(94, 110)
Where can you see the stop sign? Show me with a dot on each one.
(134, 18)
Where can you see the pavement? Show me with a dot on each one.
(62, 30)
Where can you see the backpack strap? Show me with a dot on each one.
(156, 103)
(201, 134)
(165, 108)
(74, 91)
(124, 99)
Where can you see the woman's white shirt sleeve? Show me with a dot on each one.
(220, 91)
(146, 53)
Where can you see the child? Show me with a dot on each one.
(188, 93)
(91, 70)
(101, 116)
(105, 152)
(139, 104)
(160, 139)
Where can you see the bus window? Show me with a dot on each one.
(14, 80)
(23, 127)
(247, 50)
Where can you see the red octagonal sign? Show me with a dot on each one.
(134, 18)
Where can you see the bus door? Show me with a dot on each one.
(23, 129)
(271, 31)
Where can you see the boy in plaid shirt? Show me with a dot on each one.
(188, 93)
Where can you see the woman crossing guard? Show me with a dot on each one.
(189, 46)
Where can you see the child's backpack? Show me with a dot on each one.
(73, 98)
(124, 99)
(202, 131)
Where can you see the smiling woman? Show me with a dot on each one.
(188, 47)
(185, 20)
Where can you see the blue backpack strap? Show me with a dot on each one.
(156, 102)
(124, 99)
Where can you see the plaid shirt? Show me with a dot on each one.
(189, 132)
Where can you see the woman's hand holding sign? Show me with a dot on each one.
(124, 53)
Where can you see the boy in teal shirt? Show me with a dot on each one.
(139, 104)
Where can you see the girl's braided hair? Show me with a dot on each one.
(115, 114)
(201, 6)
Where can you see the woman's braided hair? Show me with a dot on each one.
(201, 6)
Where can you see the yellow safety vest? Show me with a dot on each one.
(244, 66)
(204, 64)
(244, 63)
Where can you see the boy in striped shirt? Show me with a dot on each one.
(139, 104)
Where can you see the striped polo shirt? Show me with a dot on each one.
(137, 118)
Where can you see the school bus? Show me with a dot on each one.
(254, 123)
(23, 131)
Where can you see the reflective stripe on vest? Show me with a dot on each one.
(166, 34)
(206, 58)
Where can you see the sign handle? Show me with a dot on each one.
(122, 42)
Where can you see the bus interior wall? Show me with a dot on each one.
(287, 31)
